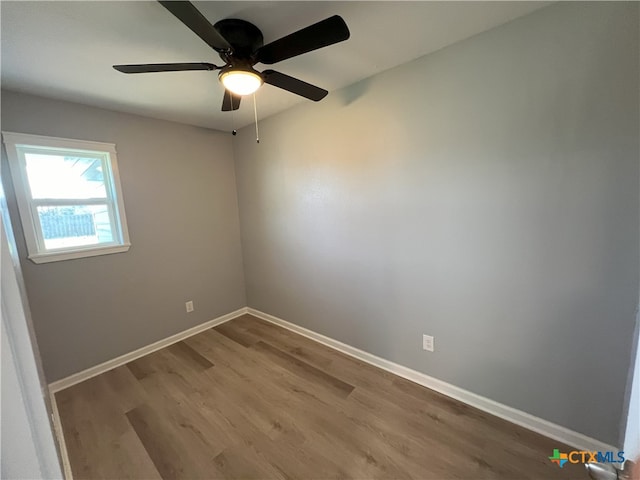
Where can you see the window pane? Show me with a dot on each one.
(60, 176)
(64, 227)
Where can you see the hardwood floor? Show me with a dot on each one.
(251, 400)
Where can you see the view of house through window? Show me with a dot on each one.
(62, 178)
(67, 196)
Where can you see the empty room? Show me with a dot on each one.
(320, 240)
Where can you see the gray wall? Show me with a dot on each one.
(180, 197)
(486, 194)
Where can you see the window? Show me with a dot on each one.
(68, 195)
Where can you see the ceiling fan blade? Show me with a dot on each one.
(164, 67)
(322, 34)
(192, 18)
(230, 101)
(294, 85)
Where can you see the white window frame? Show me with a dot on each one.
(27, 206)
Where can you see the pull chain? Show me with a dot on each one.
(255, 114)
(233, 117)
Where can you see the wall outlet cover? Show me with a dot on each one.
(428, 343)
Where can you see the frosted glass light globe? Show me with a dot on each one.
(241, 82)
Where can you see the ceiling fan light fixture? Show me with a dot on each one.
(241, 82)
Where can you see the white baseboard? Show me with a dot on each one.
(141, 352)
(526, 420)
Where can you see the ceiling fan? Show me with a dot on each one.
(240, 45)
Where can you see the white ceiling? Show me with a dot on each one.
(65, 50)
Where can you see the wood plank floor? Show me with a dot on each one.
(250, 400)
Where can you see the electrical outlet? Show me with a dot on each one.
(189, 306)
(428, 343)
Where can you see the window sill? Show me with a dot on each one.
(89, 252)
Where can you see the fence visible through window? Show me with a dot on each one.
(78, 225)
(67, 225)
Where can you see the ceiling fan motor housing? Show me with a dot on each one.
(244, 37)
